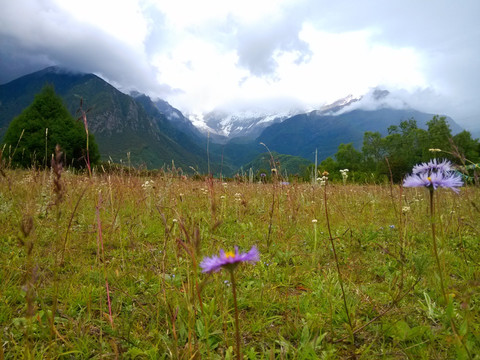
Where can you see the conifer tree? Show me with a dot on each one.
(31, 137)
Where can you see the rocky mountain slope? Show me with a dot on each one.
(126, 129)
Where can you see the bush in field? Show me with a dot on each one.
(32, 136)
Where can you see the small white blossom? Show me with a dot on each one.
(344, 175)
(148, 184)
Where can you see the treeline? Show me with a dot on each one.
(405, 145)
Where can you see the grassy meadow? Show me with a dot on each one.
(108, 267)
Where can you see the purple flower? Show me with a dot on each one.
(229, 260)
(433, 166)
(448, 180)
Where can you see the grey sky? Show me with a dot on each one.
(201, 55)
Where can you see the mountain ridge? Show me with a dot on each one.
(310, 131)
(154, 133)
(121, 125)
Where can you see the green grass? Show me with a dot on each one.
(290, 302)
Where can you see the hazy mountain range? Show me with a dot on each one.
(153, 133)
(224, 125)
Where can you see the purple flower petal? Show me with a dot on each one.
(432, 166)
(443, 179)
(216, 263)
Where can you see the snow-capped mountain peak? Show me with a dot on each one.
(248, 123)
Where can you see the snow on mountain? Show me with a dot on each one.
(224, 124)
(251, 123)
(338, 105)
(199, 122)
(247, 123)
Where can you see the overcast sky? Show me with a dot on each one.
(270, 54)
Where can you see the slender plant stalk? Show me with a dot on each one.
(237, 331)
(83, 114)
(100, 240)
(1, 346)
(270, 222)
(339, 274)
(173, 319)
(393, 304)
(59, 189)
(11, 155)
(46, 143)
(208, 153)
(27, 241)
(70, 226)
(274, 179)
(440, 272)
(435, 248)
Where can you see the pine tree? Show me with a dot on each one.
(31, 138)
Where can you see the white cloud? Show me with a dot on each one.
(202, 54)
(123, 21)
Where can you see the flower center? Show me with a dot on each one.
(429, 179)
(229, 254)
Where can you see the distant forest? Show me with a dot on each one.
(405, 145)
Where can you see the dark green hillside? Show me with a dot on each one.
(176, 118)
(190, 140)
(302, 134)
(120, 124)
(18, 94)
(236, 152)
(286, 164)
